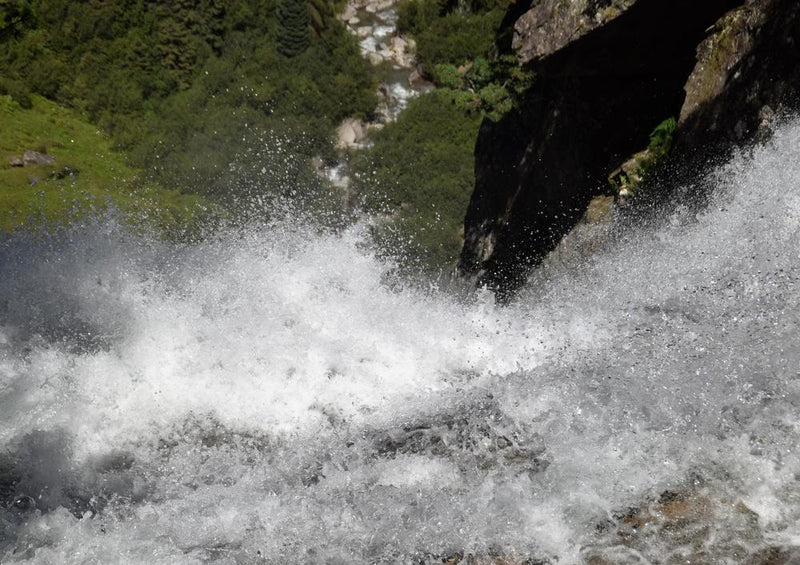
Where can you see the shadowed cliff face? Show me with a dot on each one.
(594, 102)
(748, 70)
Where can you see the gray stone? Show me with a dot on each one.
(350, 134)
(348, 14)
(35, 158)
(375, 58)
(550, 25)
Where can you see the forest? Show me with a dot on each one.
(201, 113)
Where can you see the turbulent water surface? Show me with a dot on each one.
(267, 397)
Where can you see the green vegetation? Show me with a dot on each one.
(87, 174)
(646, 163)
(489, 88)
(455, 47)
(420, 173)
(449, 31)
(194, 92)
(227, 103)
(293, 27)
(420, 170)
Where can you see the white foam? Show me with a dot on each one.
(268, 392)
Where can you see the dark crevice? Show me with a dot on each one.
(592, 104)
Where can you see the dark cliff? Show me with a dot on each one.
(607, 72)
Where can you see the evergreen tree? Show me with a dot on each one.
(293, 27)
(14, 16)
(321, 12)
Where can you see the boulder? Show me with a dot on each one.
(550, 25)
(401, 51)
(35, 158)
(375, 58)
(348, 14)
(350, 134)
(64, 172)
(418, 82)
(16, 161)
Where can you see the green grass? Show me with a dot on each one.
(32, 196)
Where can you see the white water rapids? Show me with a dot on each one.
(266, 397)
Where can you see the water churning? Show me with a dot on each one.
(267, 397)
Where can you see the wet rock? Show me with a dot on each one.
(688, 526)
(350, 134)
(550, 25)
(477, 435)
(616, 555)
(375, 58)
(35, 158)
(606, 73)
(24, 503)
(482, 559)
(777, 556)
(748, 69)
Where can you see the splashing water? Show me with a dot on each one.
(266, 398)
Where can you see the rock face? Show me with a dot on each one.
(550, 25)
(607, 72)
(747, 72)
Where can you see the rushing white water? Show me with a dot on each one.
(267, 397)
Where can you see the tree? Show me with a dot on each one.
(293, 27)
(14, 16)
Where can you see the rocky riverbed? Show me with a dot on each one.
(374, 23)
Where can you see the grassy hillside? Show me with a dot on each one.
(48, 193)
(196, 93)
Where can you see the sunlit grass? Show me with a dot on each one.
(34, 195)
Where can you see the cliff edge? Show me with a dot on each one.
(606, 73)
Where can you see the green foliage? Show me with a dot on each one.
(419, 171)
(15, 16)
(648, 162)
(661, 139)
(454, 42)
(87, 175)
(293, 27)
(192, 90)
(489, 88)
(17, 91)
(451, 32)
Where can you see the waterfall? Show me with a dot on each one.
(266, 396)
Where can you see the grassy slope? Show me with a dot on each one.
(103, 178)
